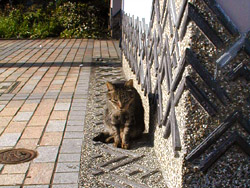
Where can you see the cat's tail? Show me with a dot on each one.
(104, 137)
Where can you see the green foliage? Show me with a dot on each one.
(67, 20)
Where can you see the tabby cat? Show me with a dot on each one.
(123, 116)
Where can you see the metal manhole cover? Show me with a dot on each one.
(16, 156)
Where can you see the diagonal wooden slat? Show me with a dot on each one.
(222, 17)
(235, 138)
(207, 78)
(214, 136)
(174, 127)
(204, 26)
(201, 97)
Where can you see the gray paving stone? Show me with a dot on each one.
(73, 135)
(67, 178)
(84, 93)
(79, 104)
(21, 96)
(2, 107)
(72, 157)
(7, 98)
(68, 167)
(10, 186)
(77, 118)
(80, 101)
(46, 154)
(56, 126)
(75, 123)
(54, 94)
(78, 108)
(36, 101)
(65, 186)
(37, 77)
(74, 129)
(36, 186)
(9, 139)
(8, 95)
(57, 82)
(79, 95)
(71, 146)
(65, 96)
(36, 96)
(67, 93)
(62, 73)
(50, 97)
(23, 116)
(77, 113)
(62, 106)
(3, 102)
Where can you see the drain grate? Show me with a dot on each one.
(16, 156)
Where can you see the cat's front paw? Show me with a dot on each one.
(125, 146)
(117, 144)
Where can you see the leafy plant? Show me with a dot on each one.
(63, 19)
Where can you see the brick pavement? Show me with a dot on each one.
(43, 98)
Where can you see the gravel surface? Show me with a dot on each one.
(102, 165)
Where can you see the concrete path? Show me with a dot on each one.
(43, 97)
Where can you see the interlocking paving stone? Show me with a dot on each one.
(71, 146)
(51, 139)
(77, 117)
(43, 101)
(72, 157)
(78, 108)
(62, 106)
(29, 143)
(67, 178)
(46, 154)
(9, 139)
(79, 104)
(16, 169)
(1, 107)
(75, 123)
(74, 129)
(73, 134)
(11, 179)
(39, 174)
(23, 116)
(36, 186)
(77, 113)
(66, 186)
(68, 167)
(32, 132)
(56, 125)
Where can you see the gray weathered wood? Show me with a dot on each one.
(213, 136)
(204, 26)
(235, 138)
(181, 12)
(206, 77)
(174, 128)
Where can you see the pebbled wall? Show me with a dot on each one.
(191, 66)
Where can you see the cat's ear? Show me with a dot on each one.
(129, 83)
(110, 86)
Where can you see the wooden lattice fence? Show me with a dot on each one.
(154, 55)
